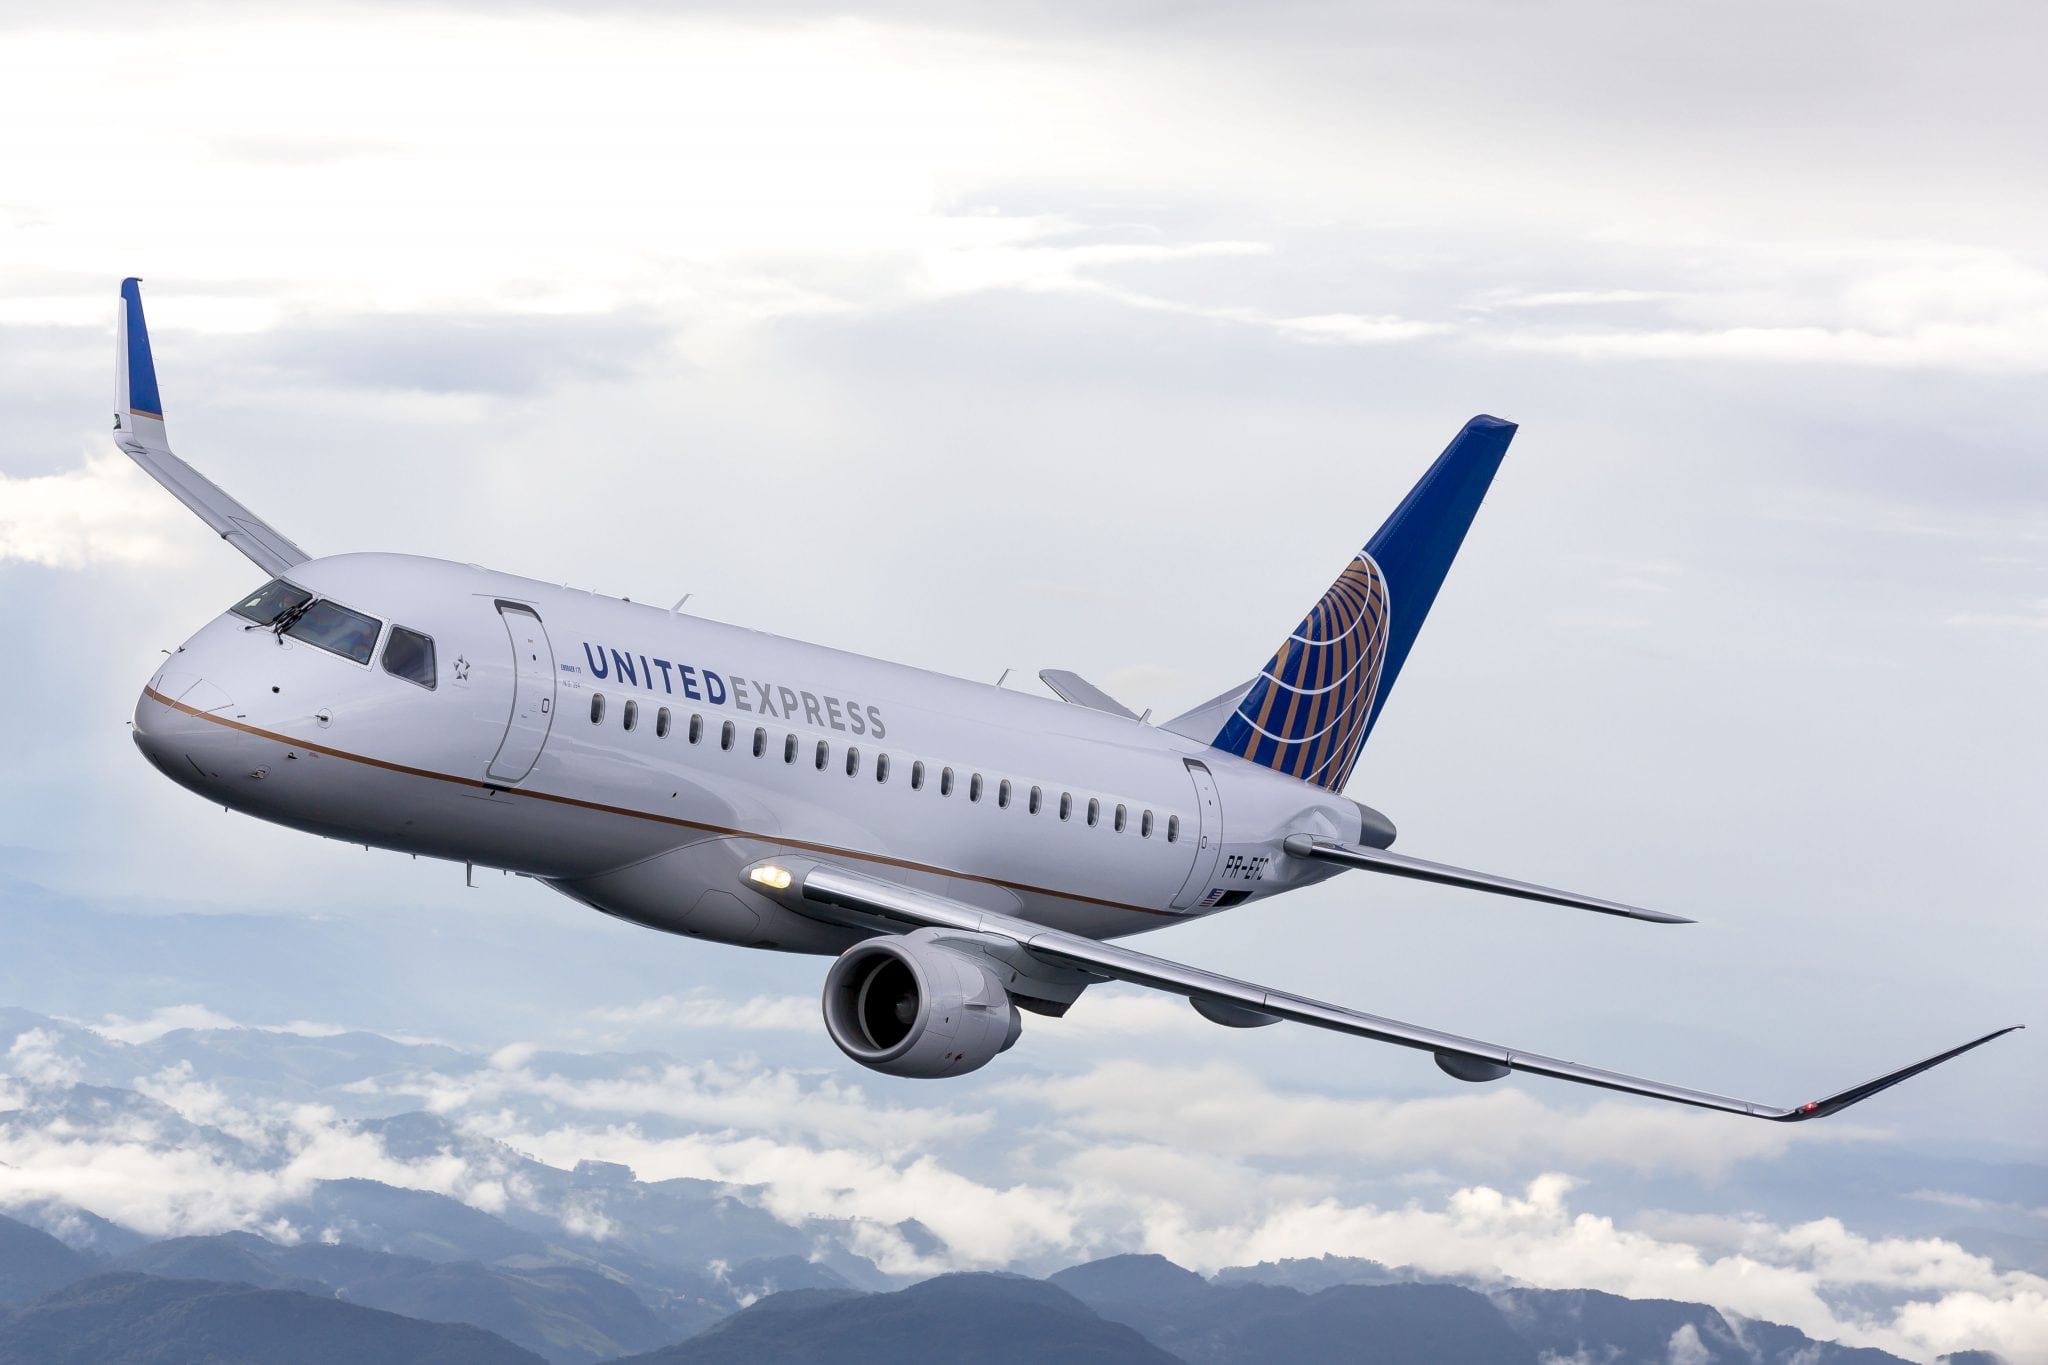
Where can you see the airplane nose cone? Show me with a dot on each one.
(178, 728)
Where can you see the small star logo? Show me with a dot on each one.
(461, 669)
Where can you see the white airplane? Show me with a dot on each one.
(965, 852)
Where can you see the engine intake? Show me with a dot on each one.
(909, 1007)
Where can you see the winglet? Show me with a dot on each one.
(1835, 1104)
(139, 431)
(138, 405)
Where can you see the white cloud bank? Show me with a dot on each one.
(105, 511)
(1250, 1173)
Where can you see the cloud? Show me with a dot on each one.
(1881, 304)
(1813, 1276)
(170, 1018)
(33, 1057)
(1228, 1111)
(2031, 616)
(166, 1020)
(1205, 1165)
(1974, 1204)
(106, 511)
(702, 1009)
(741, 1095)
(1353, 329)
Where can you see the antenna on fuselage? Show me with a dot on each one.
(679, 603)
(1006, 674)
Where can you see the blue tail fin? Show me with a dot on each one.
(1310, 709)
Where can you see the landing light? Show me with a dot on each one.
(768, 874)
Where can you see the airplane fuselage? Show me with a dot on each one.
(639, 759)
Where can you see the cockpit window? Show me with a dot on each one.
(336, 629)
(410, 655)
(271, 601)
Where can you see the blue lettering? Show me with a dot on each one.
(714, 688)
(647, 672)
(689, 680)
(664, 666)
(624, 663)
(597, 664)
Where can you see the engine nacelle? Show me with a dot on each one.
(909, 1007)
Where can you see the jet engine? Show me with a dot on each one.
(910, 1007)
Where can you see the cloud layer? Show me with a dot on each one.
(178, 1153)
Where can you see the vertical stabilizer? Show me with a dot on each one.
(1310, 709)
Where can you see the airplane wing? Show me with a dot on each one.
(1400, 865)
(844, 896)
(139, 430)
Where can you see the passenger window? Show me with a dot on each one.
(1119, 817)
(725, 735)
(881, 767)
(945, 781)
(661, 723)
(1094, 812)
(1066, 805)
(789, 748)
(917, 774)
(852, 760)
(630, 716)
(1173, 829)
(824, 754)
(696, 728)
(597, 708)
(1003, 794)
(1037, 798)
(974, 787)
(410, 655)
(336, 629)
(1145, 825)
(269, 603)
(760, 741)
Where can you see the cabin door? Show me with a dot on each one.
(533, 693)
(1208, 837)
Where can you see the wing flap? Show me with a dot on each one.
(856, 899)
(139, 431)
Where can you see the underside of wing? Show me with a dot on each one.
(856, 899)
(139, 431)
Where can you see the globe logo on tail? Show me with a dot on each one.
(1306, 714)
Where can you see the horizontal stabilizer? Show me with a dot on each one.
(1072, 687)
(843, 896)
(1399, 865)
(139, 431)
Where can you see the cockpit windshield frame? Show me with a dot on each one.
(290, 610)
(326, 624)
(272, 602)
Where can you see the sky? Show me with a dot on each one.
(1098, 338)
